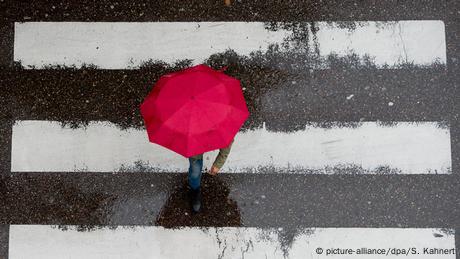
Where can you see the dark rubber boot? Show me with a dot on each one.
(196, 200)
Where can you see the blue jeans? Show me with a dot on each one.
(194, 173)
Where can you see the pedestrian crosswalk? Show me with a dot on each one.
(420, 147)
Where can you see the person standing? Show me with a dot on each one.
(195, 172)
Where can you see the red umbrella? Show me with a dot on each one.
(194, 110)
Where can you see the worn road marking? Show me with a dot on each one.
(125, 45)
(369, 147)
(143, 242)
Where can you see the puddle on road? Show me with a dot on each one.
(219, 210)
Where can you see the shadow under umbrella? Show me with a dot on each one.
(218, 210)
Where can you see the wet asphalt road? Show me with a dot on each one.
(77, 96)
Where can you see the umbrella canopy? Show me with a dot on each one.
(194, 110)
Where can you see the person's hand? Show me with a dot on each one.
(213, 171)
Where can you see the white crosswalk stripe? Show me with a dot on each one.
(126, 45)
(139, 242)
(404, 148)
